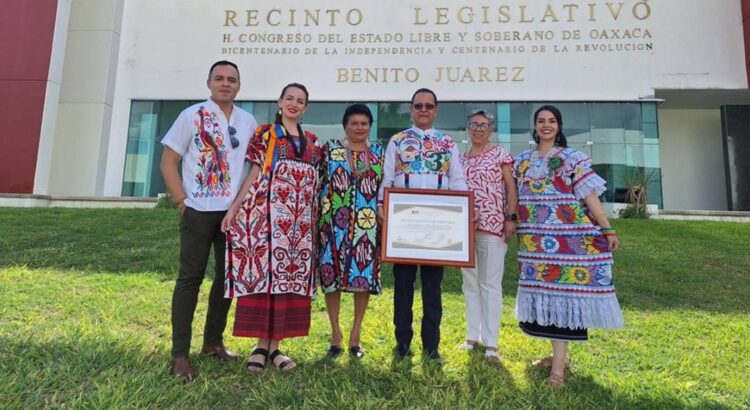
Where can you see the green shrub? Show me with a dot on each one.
(632, 212)
(165, 202)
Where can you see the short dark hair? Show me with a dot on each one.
(424, 90)
(356, 109)
(223, 62)
(560, 139)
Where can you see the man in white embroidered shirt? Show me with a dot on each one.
(420, 157)
(210, 139)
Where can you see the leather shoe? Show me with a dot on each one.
(434, 356)
(220, 351)
(402, 351)
(180, 366)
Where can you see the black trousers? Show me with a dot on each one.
(199, 231)
(432, 304)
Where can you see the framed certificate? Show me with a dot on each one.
(428, 227)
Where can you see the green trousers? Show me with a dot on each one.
(198, 232)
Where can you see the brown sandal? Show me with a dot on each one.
(556, 380)
(546, 363)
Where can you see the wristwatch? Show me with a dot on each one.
(514, 217)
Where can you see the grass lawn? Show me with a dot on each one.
(84, 322)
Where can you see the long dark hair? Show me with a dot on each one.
(283, 91)
(560, 139)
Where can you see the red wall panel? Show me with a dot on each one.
(26, 32)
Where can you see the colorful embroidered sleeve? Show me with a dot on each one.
(520, 165)
(317, 159)
(256, 148)
(585, 180)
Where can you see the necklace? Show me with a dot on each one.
(352, 159)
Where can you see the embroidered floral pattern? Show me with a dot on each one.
(212, 170)
(422, 155)
(270, 250)
(563, 258)
(349, 234)
(484, 177)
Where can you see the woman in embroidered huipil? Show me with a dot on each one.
(489, 175)
(349, 259)
(271, 234)
(565, 245)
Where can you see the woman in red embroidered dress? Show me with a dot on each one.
(270, 250)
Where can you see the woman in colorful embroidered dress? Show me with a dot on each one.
(489, 175)
(349, 230)
(270, 251)
(565, 245)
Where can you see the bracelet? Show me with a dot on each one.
(608, 231)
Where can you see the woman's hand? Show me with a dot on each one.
(509, 229)
(614, 244)
(229, 219)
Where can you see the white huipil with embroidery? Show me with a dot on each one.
(212, 169)
(425, 159)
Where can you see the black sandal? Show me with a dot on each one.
(356, 352)
(283, 366)
(334, 352)
(255, 367)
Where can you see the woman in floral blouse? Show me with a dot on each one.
(489, 175)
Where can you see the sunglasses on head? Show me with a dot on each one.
(235, 142)
(420, 106)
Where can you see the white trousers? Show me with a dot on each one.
(483, 289)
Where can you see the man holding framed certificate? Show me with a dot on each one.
(416, 159)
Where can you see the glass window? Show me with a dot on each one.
(392, 118)
(149, 122)
(621, 138)
(324, 120)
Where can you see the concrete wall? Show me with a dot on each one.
(692, 160)
(85, 109)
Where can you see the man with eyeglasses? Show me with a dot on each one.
(210, 139)
(420, 157)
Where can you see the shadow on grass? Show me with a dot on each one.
(585, 392)
(91, 240)
(103, 372)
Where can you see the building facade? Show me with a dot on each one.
(653, 87)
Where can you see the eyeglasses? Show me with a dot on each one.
(420, 106)
(478, 126)
(235, 142)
